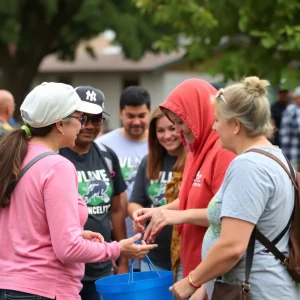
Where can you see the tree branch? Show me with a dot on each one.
(45, 34)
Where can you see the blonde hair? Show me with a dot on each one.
(247, 100)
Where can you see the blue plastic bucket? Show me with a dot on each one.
(151, 285)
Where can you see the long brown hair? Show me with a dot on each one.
(13, 149)
(157, 151)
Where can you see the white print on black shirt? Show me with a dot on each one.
(157, 188)
(95, 189)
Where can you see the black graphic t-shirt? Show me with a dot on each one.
(149, 193)
(99, 179)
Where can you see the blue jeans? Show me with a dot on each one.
(14, 295)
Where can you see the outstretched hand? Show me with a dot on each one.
(140, 217)
(131, 250)
(160, 218)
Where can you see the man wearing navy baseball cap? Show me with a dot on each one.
(94, 96)
(100, 184)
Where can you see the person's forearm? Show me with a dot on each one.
(133, 207)
(196, 217)
(124, 202)
(119, 229)
(172, 206)
(221, 258)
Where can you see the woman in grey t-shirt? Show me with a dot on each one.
(256, 191)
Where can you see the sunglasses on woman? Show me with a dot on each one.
(220, 95)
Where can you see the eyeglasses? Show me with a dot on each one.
(220, 94)
(96, 120)
(82, 119)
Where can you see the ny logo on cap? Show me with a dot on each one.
(91, 96)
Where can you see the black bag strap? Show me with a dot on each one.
(249, 258)
(32, 162)
(249, 255)
(270, 246)
(281, 235)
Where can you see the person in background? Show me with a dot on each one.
(283, 100)
(189, 109)
(256, 192)
(289, 133)
(100, 184)
(43, 244)
(7, 108)
(166, 154)
(130, 142)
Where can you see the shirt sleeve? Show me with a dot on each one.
(297, 121)
(62, 212)
(220, 166)
(138, 194)
(246, 190)
(117, 177)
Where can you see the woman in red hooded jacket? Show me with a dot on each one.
(189, 108)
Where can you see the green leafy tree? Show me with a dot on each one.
(32, 29)
(234, 37)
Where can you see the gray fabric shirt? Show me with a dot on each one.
(151, 193)
(256, 189)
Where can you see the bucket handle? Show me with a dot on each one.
(150, 265)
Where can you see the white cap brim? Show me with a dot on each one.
(90, 108)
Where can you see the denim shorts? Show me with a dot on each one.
(14, 295)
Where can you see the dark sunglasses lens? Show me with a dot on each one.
(83, 120)
(97, 120)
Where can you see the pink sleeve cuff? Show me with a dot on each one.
(115, 250)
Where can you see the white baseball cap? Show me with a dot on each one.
(50, 102)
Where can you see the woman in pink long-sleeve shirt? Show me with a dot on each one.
(43, 245)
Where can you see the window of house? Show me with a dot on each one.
(132, 81)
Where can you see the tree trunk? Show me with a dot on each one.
(18, 82)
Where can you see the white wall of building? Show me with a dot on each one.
(109, 84)
(174, 78)
(158, 83)
(154, 84)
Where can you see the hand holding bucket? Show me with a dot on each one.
(130, 249)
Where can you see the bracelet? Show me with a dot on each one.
(192, 284)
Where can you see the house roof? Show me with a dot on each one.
(109, 58)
